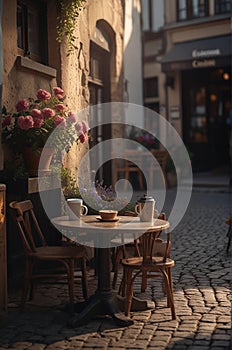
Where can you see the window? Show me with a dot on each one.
(151, 87)
(222, 6)
(32, 29)
(190, 9)
(152, 15)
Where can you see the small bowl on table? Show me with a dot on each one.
(108, 215)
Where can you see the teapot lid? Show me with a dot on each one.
(146, 199)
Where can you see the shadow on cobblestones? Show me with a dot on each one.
(202, 280)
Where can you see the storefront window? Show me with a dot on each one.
(198, 124)
(222, 6)
(189, 9)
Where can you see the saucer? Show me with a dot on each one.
(104, 220)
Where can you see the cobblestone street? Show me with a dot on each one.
(202, 282)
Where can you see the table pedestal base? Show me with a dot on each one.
(106, 304)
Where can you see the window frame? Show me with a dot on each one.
(23, 45)
(219, 5)
(189, 6)
(147, 91)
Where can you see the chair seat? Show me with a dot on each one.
(57, 252)
(157, 262)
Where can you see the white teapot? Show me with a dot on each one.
(145, 208)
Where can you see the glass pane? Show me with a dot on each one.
(222, 6)
(151, 87)
(157, 8)
(20, 27)
(145, 15)
(33, 32)
(182, 9)
(198, 121)
(195, 8)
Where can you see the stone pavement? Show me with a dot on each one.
(202, 281)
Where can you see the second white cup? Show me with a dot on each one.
(76, 209)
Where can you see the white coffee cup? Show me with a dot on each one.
(76, 209)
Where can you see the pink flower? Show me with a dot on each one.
(36, 113)
(60, 122)
(48, 113)
(83, 137)
(79, 128)
(72, 117)
(60, 97)
(60, 107)
(7, 121)
(58, 92)
(85, 127)
(25, 123)
(43, 95)
(22, 105)
(38, 122)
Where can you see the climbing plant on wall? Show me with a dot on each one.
(68, 12)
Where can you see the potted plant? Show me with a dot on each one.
(26, 130)
(144, 138)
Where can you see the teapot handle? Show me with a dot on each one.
(137, 209)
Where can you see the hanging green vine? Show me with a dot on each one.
(68, 12)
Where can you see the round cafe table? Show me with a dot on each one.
(100, 234)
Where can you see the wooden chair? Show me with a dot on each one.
(122, 251)
(161, 157)
(144, 264)
(38, 253)
(128, 166)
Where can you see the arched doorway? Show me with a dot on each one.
(100, 90)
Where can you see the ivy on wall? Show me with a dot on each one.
(68, 12)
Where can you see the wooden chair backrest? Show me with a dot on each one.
(148, 241)
(152, 245)
(28, 225)
(130, 158)
(161, 157)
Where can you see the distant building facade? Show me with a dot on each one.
(187, 73)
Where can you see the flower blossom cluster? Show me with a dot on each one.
(147, 140)
(35, 120)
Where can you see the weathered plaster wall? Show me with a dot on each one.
(75, 68)
(18, 82)
(69, 72)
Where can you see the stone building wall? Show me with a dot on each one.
(22, 77)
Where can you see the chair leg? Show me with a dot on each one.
(84, 278)
(122, 287)
(70, 274)
(129, 292)
(170, 299)
(229, 235)
(27, 281)
(169, 272)
(144, 282)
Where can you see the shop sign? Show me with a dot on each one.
(203, 63)
(205, 53)
(175, 112)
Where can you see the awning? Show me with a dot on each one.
(210, 52)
